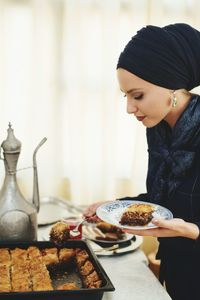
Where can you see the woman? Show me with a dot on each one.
(156, 71)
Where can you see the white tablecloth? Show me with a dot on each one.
(132, 278)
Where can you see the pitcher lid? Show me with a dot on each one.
(11, 144)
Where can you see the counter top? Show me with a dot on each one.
(132, 278)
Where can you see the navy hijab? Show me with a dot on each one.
(168, 57)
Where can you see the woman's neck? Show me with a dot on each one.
(183, 99)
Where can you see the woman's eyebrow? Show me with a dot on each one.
(130, 91)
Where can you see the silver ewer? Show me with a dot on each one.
(18, 217)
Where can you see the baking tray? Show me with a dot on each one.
(80, 294)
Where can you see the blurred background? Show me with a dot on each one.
(58, 79)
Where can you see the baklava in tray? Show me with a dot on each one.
(32, 268)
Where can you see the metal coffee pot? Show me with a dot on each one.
(18, 217)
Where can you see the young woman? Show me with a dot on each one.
(156, 71)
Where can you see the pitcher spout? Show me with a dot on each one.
(36, 196)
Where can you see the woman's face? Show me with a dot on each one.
(148, 102)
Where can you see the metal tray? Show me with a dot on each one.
(80, 294)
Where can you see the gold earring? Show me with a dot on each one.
(174, 99)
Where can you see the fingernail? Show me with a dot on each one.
(154, 221)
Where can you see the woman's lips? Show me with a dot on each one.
(140, 118)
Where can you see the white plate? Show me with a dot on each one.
(89, 232)
(133, 246)
(111, 213)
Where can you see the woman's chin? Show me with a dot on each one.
(149, 123)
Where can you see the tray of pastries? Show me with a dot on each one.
(41, 269)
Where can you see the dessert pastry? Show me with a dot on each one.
(33, 252)
(92, 280)
(39, 274)
(30, 269)
(60, 233)
(66, 255)
(5, 258)
(81, 257)
(110, 232)
(106, 227)
(50, 256)
(87, 268)
(89, 276)
(110, 236)
(5, 285)
(137, 215)
(18, 255)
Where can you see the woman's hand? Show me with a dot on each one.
(169, 228)
(91, 209)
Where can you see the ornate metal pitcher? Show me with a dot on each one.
(18, 217)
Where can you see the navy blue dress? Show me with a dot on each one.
(173, 181)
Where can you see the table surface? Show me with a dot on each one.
(132, 278)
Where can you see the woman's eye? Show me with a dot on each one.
(139, 97)
(136, 97)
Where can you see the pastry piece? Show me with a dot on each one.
(60, 233)
(18, 255)
(41, 280)
(44, 285)
(50, 256)
(81, 257)
(33, 252)
(21, 285)
(5, 258)
(5, 285)
(87, 268)
(109, 232)
(137, 215)
(110, 236)
(95, 285)
(20, 270)
(20, 275)
(92, 280)
(39, 274)
(37, 267)
(67, 286)
(89, 276)
(66, 255)
(106, 227)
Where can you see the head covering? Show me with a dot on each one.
(168, 57)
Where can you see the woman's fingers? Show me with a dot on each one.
(165, 228)
(173, 224)
(88, 212)
(91, 210)
(163, 223)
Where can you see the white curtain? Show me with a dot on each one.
(57, 79)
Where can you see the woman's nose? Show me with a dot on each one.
(131, 107)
